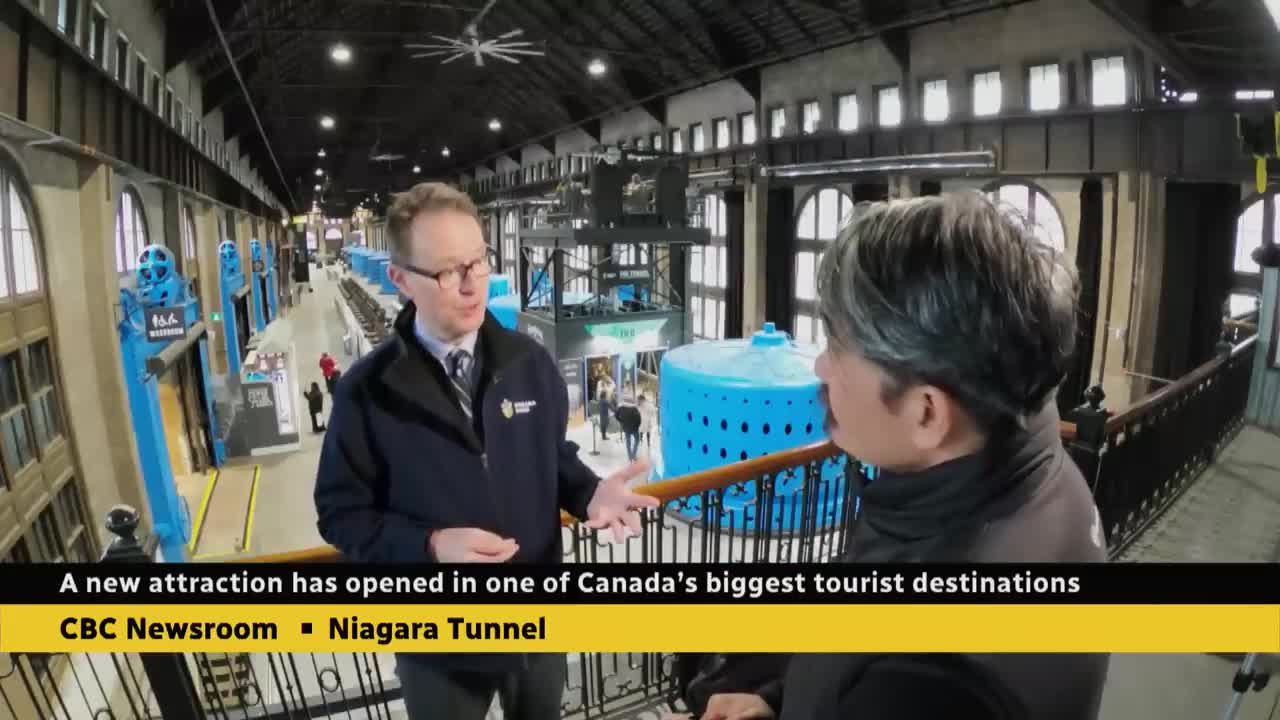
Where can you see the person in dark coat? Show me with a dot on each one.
(950, 326)
(629, 420)
(315, 404)
(447, 444)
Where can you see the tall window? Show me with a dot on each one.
(656, 141)
(19, 267)
(131, 231)
(747, 128)
(698, 137)
(98, 37)
(820, 219)
(777, 122)
(17, 447)
(122, 64)
(1034, 206)
(722, 133)
(1108, 87)
(1249, 237)
(889, 106)
(511, 243)
(810, 117)
(708, 273)
(45, 417)
(988, 94)
(1045, 88)
(677, 142)
(188, 233)
(68, 13)
(937, 104)
(847, 112)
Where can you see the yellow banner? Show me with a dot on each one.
(640, 628)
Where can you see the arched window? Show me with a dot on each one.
(819, 221)
(31, 417)
(708, 274)
(19, 269)
(188, 233)
(1034, 205)
(131, 231)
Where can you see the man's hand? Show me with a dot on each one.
(614, 506)
(737, 706)
(466, 545)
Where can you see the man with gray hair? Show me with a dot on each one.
(950, 326)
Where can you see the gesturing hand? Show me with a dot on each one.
(465, 545)
(737, 706)
(614, 505)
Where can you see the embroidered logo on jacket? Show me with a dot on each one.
(511, 409)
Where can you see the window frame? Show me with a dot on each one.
(1028, 84)
(743, 117)
(1036, 189)
(716, 125)
(816, 246)
(924, 105)
(122, 74)
(700, 292)
(697, 138)
(878, 92)
(802, 111)
(1125, 66)
(973, 91)
(838, 116)
(126, 264)
(781, 132)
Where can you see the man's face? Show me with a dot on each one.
(443, 240)
(858, 419)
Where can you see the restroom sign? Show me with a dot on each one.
(164, 324)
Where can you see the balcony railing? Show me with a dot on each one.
(792, 506)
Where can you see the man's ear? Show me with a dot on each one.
(398, 278)
(933, 415)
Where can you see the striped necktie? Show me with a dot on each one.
(460, 376)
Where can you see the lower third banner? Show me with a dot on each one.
(640, 628)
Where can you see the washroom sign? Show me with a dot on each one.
(164, 324)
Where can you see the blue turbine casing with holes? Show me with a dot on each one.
(727, 401)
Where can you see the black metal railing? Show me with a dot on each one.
(794, 506)
(1140, 460)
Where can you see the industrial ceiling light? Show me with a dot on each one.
(326, 122)
(444, 152)
(317, 187)
(319, 172)
(321, 153)
(340, 53)
(495, 125)
(596, 67)
(417, 169)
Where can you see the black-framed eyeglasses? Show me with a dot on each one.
(450, 278)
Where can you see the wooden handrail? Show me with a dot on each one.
(1148, 404)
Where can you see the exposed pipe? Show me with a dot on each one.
(248, 98)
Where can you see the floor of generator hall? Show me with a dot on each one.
(279, 515)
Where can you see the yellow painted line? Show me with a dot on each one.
(253, 506)
(202, 511)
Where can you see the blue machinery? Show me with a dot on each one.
(727, 401)
(234, 288)
(264, 276)
(160, 286)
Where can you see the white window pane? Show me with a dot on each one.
(805, 276)
(937, 104)
(1046, 88)
(804, 328)
(711, 269)
(987, 94)
(695, 274)
(1049, 223)
(1248, 238)
(807, 226)
(749, 129)
(699, 139)
(847, 113)
(1016, 198)
(1108, 81)
(722, 134)
(695, 312)
(890, 107)
(1242, 303)
(720, 313)
(722, 223)
(724, 262)
(828, 214)
(777, 122)
(677, 142)
(708, 317)
(811, 116)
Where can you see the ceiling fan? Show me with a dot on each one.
(503, 47)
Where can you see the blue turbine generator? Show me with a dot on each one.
(264, 282)
(236, 320)
(160, 327)
(731, 400)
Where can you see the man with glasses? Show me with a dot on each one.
(447, 444)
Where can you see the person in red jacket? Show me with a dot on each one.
(328, 368)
